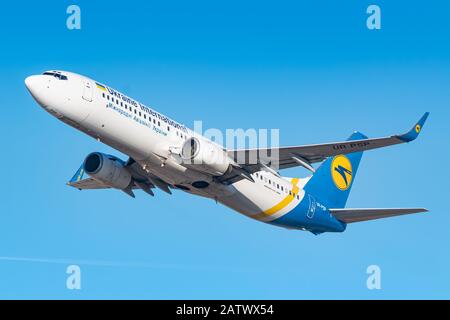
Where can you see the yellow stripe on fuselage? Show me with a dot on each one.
(282, 204)
(101, 87)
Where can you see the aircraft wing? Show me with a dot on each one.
(306, 155)
(83, 182)
(358, 215)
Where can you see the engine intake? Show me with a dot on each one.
(108, 170)
(205, 156)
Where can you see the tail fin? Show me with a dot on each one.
(333, 180)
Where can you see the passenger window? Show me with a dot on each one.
(168, 128)
(140, 115)
(107, 97)
(103, 94)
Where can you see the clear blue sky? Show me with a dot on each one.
(311, 69)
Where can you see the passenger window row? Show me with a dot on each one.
(286, 190)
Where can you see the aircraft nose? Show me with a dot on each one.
(32, 83)
(36, 84)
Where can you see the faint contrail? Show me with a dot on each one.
(126, 264)
(101, 263)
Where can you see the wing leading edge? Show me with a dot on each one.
(287, 157)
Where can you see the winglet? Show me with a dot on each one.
(414, 132)
(77, 176)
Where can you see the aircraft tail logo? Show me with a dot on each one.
(333, 180)
(341, 172)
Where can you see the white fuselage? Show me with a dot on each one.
(150, 139)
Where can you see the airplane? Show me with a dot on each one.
(165, 154)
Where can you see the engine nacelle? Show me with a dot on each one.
(108, 170)
(205, 156)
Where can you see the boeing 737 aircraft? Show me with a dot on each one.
(167, 155)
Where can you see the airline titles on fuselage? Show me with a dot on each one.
(143, 108)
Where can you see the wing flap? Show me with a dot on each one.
(358, 215)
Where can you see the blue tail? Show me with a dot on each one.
(333, 180)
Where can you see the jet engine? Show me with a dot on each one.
(205, 156)
(108, 170)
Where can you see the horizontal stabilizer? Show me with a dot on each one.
(357, 215)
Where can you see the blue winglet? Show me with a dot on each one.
(78, 175)
(414, 132)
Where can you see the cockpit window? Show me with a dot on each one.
(56, 75)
